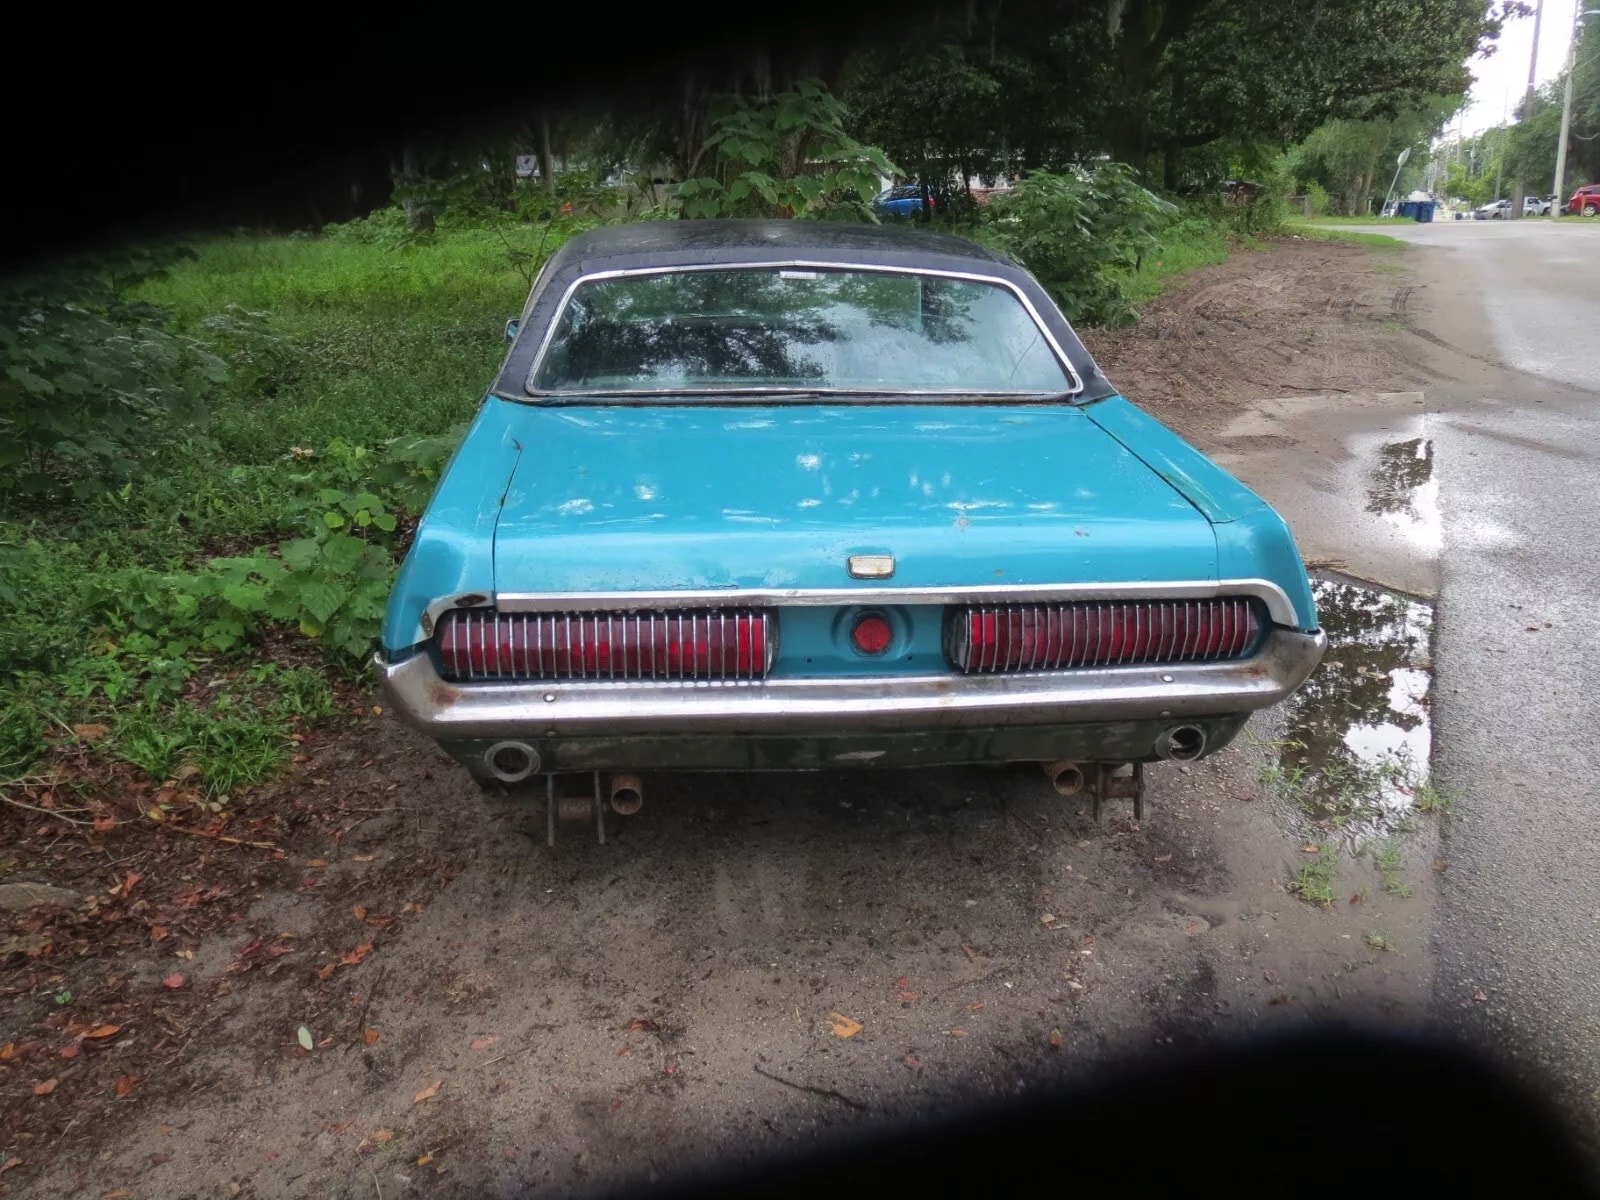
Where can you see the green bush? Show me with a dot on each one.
(93, 378)
(1082, 235)
(758, 147)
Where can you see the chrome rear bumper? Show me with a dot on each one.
(449, 711)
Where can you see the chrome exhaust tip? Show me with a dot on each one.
(1181, 743)
(1065, 777)
(627, 794)
(511, 762)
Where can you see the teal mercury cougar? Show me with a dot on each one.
(799, 495)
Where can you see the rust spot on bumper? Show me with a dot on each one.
(442, 695)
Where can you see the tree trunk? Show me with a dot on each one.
(1169, 166)
(419, 214)
(547, 165)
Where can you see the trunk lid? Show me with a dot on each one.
(624, 498)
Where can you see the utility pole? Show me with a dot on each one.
(1527, 100)
(1566, 110)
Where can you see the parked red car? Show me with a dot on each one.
(1585, 200)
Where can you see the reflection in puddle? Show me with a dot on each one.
(1403, 491)
(1358, 735)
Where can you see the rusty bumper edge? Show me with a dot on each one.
(446, 710)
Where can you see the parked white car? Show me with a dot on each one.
(1537, 206)
(1495, 210)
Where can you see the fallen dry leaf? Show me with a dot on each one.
(670, 1067)
(91, 733)
(157, 1160)
(903, 988)
(643, 1025)
(117, 1194)
(1355, 898)
(353, 957)
(412, 907)
(616, 1103)
(104, 823)
(483, 1043)
(70, 1051)
(1055, 1039)
(9, 1163)
(1048, 919)
(845, 1027)
(971, 954)
(977, 1006)
(157, 932)
(427, 1093)
(363, 857)
(424, 1160)
(383, 1137)
(956, 1033)
(103, 1031)
(1439, 864)
(8, 1052)
(1479, 996)
(370, 1037)
(173, 981)
(303, 1036)
(911, 1060)
(360, 912)
(1191, 928)
(125, 1085)
(1311, 848)
(46, 1087)
(327, 971)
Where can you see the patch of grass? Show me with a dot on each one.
(1313, 883)
(1375, 241)
(1387, 860)
(1190, 244)
(1376, 939)
(1330, 219)
(346, 342)
(1429, 799)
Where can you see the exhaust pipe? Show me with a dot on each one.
(511, 762)
(1181, 743)
(1065, 777)
(627, 794)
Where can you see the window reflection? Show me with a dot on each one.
(835, 330)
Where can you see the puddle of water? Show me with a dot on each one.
(1403, 491)
(1354, 756)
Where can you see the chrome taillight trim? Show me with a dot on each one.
(548, 646)
(1076, 634)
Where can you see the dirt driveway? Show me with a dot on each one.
(385, 984)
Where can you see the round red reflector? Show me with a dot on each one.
(871, 635)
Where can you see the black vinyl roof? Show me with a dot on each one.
(723, 238)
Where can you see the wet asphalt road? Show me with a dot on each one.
(1517, 445)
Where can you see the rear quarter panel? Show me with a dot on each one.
(1253, 541)
(453, 549)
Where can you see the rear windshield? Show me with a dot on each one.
(775, 330)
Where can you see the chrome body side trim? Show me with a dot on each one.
(1279, 607)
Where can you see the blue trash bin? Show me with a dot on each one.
(1425, 210)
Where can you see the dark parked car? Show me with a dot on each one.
(904, 201)
(1585, 201)
(789, 495)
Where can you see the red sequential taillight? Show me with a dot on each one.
(672, 644)
(1047, 637)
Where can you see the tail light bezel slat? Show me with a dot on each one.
(729, 644)
(986, 639)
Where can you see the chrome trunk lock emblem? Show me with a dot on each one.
(871, 566)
